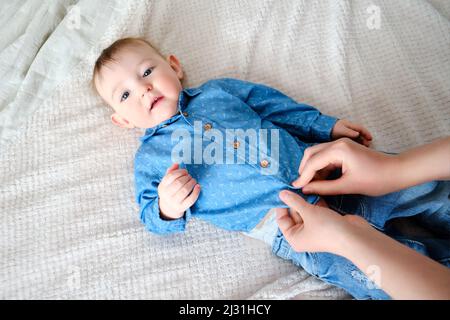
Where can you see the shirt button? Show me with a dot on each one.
(264, 163)
(185, 113)
(236, 144)
(207, 126)
(164, 125)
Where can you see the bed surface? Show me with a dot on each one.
(69, 227)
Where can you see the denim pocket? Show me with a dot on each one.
(305, 260)
(343, 273)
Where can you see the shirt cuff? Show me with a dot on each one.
(323, 126)
(151, 217)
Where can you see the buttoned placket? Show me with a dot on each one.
(235, 145)
(189, 118)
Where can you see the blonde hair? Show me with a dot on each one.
(108, 54)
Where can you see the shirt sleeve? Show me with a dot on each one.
(146, 184)
(301, 120)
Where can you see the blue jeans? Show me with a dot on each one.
(427, 203)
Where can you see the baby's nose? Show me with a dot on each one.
(148, 88)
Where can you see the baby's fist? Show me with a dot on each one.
(346, 129)
(174, 192)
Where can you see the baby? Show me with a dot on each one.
(180, 168)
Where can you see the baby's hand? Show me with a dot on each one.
(346, 129)
(174, 192)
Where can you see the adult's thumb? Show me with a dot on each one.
(325, 187)
(294, 201)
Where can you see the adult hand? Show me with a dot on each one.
(315, 228)
(364, 171)
(318, 229)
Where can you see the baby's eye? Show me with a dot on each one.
(124, 96)
(147, 72)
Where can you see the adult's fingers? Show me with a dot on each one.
(327, 187)
(324, 173)
(284, 220)
(318, 161)
(295, 216)
(297, 203)
(290, 229)
(282, 212)
(309, 152)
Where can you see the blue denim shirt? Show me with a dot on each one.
(233, 196)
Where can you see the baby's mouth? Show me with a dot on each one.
(155, 102)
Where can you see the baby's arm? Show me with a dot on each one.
(175, 195)
(159, 214)
(299, 119)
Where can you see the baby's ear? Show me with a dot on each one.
(119, 121)
(176, 65)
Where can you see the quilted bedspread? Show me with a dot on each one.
(69, 226)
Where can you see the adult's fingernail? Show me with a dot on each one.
(284, 195)
(296, 183)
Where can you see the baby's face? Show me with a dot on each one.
(141, 86)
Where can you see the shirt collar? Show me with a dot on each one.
(183, 100)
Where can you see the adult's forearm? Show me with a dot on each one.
(421, 164)
(398, 270)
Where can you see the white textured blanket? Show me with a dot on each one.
(69, 227)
